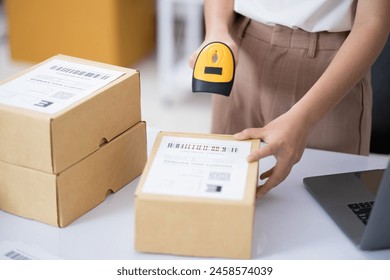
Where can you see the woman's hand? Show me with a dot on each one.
(286, 137)
(219, 17)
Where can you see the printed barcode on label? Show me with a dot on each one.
(202, 147)
(213, 188)
(78, 72)
(63, 95)
(16, 256)
(219, 176)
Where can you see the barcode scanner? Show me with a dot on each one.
(214, 69)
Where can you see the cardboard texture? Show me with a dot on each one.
(53, 142)
(59, 199)
(118, 32)
(194, 226)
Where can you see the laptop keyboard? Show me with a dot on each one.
(362, 210)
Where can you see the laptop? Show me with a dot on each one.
(358, 202)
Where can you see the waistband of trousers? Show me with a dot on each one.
(283, 36)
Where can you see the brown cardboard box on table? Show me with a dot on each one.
(192, 225)
(59, 199)
(118, 32)
(55, 166)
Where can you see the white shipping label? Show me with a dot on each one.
(196, 167)
(14, 250)
(55, 85)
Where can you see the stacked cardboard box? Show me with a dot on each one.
(55, 165)
(175, 214)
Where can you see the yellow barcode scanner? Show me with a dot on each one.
(214, 69)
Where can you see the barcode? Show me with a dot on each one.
(78, 72)
(219, 176)
(16, 256)
(213, 188)
(63, 95)
(202, 147)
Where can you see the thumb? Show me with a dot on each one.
(249, 133)
(192, 59)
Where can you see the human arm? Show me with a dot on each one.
(287, 135)
(219, 17)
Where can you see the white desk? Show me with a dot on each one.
(288, 222)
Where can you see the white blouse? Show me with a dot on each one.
(309, 15)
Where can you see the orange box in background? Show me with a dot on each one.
(119, 32)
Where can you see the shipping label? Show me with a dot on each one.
(198, 167)
(55, 85)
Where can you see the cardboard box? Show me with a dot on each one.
(59, 199)
(119, 32)
(52, 142)
(168, 220)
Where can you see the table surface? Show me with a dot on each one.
(288, 224)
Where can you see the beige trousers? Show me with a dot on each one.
(276, 67)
